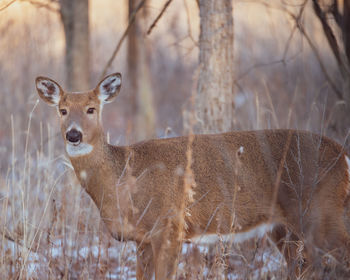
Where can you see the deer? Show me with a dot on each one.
(289, 185)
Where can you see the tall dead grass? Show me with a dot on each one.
(50, 228)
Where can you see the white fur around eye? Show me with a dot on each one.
(109, 87)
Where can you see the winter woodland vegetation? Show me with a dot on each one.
(188, 67)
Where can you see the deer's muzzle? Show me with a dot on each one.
(74, 136)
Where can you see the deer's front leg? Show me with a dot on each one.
(145, 262)
(166, 251)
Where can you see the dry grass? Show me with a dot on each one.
(55, 227)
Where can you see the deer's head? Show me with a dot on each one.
(80, 113)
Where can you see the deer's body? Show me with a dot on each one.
(244, 184)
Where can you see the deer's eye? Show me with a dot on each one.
(63, 112)
(90, 110)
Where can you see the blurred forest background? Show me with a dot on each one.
(187, 66)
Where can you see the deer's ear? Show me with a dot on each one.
(109, 88)
(48, 90)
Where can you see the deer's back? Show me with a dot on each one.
(236, 174)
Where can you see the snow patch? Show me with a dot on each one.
(238, 237)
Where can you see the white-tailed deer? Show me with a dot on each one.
(161, 193)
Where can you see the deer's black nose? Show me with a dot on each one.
(74, 136)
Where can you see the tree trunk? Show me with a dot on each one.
(75, 19)
(346, 28)
(215, 104)
(343, 122)
(133, 57)
(142, 113)
(340, 121)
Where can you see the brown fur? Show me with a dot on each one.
(139, 189)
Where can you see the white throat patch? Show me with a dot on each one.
(78, 150)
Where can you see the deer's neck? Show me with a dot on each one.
(99, 173)
(103, 159)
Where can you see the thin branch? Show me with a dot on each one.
(189, 29)
(289, 40)
(279, 174)
(297, 19)
(318, 57)
(6, 234)
(299, 16)
(285, 3)
(334, 10)
(283, 60)
(258, 65)
(15, 239)
(7, 5)
(116, 50)
(316, 53)
(40, 4)
(166, 5)
(332, 41)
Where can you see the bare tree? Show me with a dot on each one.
(75, 19)
(215, 104)
(141, 99)
(340, 46)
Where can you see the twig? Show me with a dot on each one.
(318, 57)
(332, 41)
(283, 59)
(116, 50)
(34, 3)
(15, 239)
(189, 29)
(301, 11)
(289, 40)
(334, 10)
(42, 5)
(301, 28)
(158, 17)
(314, 49)
(258, 65)
(7, 5)
(32, 244)
(286, 3)
(279, 174)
